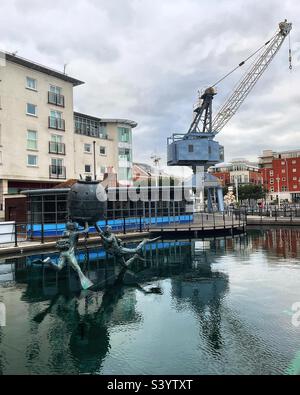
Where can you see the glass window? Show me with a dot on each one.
(271, 173)
(87, 168)
(191, 148)
(271, 181)
(32, 160)
(31, 109)
(102, 169)
(125, 154)
(56, 114)
(56, 162)
(124, 135)
(31, 83)
(295, 186)
(294, 170)
(31, 139)
(102, 150)
(87, 148)
(55, 89)
(55, 138)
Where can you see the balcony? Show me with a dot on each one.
(56, 99)
(57, 172)
(57, 148)
(57, 123)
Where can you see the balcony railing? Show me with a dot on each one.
(57, 172)
(57, 148)
(57, 99)
(57, 123)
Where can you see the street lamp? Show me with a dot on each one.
(278, 179)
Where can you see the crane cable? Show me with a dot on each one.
(243, 62)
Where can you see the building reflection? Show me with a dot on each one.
(73, 327)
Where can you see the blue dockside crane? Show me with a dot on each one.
(198, 147)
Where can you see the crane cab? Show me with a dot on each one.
(190, 150)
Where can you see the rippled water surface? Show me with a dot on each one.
(219, 306)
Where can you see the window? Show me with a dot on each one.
(284, 188)
(191, 148)
(55, 89)
(102, 169)
(87, 168)
(55, 96)
(272, 189)
(56, 121)
(57, 167)
(295, 186)
(87, 148)
(102, 150)
(31, 109)
(125, 173)
(56, 145)
(31, 83)
(32, 160)
(55, 114)
(294, 170)
(294, 178)
(282, 170)
(124, 135)
(271, 180)
(283, 179)
(125, 154)
(271, 173)
(294, 162)
(283, 162)
(31, 139)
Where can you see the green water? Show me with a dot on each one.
(221, 306)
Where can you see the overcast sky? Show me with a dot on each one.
(145, 60)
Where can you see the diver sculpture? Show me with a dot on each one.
(67, 247)
(113, 246)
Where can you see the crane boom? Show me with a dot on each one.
(244, 87)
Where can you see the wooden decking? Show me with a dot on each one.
(203, 224)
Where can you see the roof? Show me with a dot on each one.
(132, 124)
(43, 69)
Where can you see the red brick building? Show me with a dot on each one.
(281, 174)
(239, 170)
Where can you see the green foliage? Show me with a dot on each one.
(251, 191)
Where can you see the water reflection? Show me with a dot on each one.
(55, 327)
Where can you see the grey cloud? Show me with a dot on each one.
(146, 59)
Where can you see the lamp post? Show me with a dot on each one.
(278, 179)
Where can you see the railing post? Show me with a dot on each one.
(42, 234)
(16, 235)
(124, 226)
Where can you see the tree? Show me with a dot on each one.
(251, 191)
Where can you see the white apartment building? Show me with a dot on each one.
(42, 141)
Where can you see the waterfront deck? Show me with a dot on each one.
(203, 224)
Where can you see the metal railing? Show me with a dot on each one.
(57, 172)
(57, 123)
(57, 99)
(57, 148)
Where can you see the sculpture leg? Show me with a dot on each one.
(84, 281)
(61, 262)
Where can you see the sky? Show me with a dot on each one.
(145, 60)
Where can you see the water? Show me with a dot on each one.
(220, 307)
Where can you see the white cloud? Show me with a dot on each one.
(146, 59)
